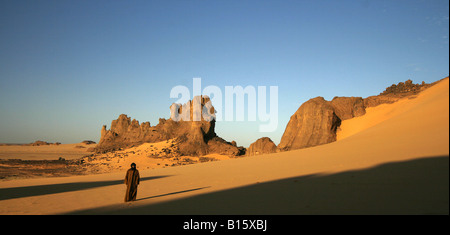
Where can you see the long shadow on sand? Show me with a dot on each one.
(28, 191)
(167, 194)
(411, 187)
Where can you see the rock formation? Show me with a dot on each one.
(194, 138)
(314, 123)
(263, 145)
(348, 107)
(87, 142)
(40, 143)
(396, 92)
(317, 120)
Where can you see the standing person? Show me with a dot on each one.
(132, 180)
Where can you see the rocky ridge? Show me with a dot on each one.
(395, 92)
(193, 138)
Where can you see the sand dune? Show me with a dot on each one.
(404, 108)
(393, 160)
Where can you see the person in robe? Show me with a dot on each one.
(132, 181)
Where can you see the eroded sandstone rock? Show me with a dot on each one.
(263, 145)
(194, 138)
(314, 123)
(348, 107)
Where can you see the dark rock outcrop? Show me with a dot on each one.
(404, 88)
(41, 143)
(314, 123)
(348, 107)
(194, 138)
(88, 142)
(221, 146)
(263, 145)
(396, 92)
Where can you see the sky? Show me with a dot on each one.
(69, 67)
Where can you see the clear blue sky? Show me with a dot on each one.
(69, 67)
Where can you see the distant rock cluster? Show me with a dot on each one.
(40, 143)
(404, 87)
(88, 142)
(396, 92)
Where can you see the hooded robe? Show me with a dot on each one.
(131, 180)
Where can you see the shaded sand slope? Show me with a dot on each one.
(396, 166)
(392, 188)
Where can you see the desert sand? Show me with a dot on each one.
(45, 152)
(146, 156)
(392, 160)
